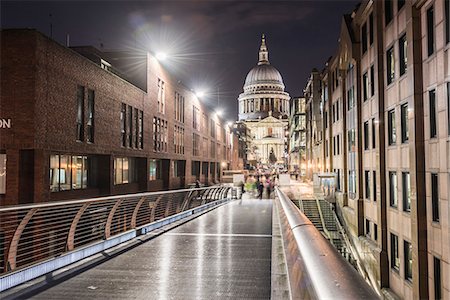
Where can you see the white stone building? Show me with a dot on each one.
(264, 108)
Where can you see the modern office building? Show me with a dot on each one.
(297, 136)
(86, 123)
(384, 106)
(264, 109)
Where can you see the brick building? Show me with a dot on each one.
(86, 123)
(384, 103)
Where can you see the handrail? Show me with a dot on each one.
(316, 269)
(36, 232)
(98, 199)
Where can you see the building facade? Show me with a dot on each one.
(79, 128)
(385, 112)
(297, 136)
(264, 109)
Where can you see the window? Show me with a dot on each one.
(179, 108)
(160, 135)
(400, 4)
(91, 116)
(392, 134)
(364, 38)
(374, 134)
(124, 170)
(161, 96)
(406, 191)
(407, 249)
(403, 52)
(338, 145)
(68, 172)
(368, 228)
(123, 115)
(212, 128)
(447, 21)
(140, 126)
(404, 122)
(154, 169)
(352, 181)
(195, 169)
(195, 144)
(388, 11)
(212, 149)
(374, 184)
(372, 80)
(365, 86)
(434, 197)
(375, 231)
(337, 110)
(2, 173)
(437, 278)
(351, 140)
(371, 31)
(393, 189)
(367, 184)
(448, 106)
(430, 30)
(390, 65)
(395, 259)
(366, 135)
(433, 125)
(80, 113)
(178, 140)
(325, 119)
(179, 168)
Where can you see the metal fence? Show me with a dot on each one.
(36, 232)
(316, 269)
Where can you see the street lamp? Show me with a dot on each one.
(161, 56)
(200, 94)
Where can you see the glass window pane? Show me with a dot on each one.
(2, 173)
(65, 172)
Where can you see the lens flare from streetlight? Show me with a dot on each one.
(219, 113)
(161, 56)
(200, 94)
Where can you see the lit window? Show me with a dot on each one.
(393, 189)
(407, 248)
(68, 172)
(392, 132)
(404, 123)
(124, 170)
(406, 191)
(390, 65)
(403, 52)
(395, 259)
(430, 30)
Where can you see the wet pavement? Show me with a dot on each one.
(224, 254)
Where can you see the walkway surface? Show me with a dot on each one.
(223, 254)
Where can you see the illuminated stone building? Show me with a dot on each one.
(264, 109)
(385, 100)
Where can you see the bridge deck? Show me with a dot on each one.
(224, 254)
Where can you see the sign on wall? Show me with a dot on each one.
(5, 123)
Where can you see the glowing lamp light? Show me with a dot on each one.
(200, 94)
(219, 113)
(229, 124)
(161, 56)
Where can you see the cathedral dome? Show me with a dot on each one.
(263, 74)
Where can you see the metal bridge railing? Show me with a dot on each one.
(36, 232)
(316, 270)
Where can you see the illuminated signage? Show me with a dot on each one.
(5, 123)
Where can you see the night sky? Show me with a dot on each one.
(211, 45)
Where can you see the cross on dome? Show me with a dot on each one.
(263, 52)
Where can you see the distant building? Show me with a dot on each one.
(80, 128)
(297, 136)
(314, 129)
(385, 113)
(264, 109)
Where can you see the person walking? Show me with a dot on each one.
(268, 187)
(260, 189)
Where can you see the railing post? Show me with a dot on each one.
(12, 252)
(135, 212)
(110, 218)
(73, 227)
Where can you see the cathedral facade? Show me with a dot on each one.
(264, 109)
